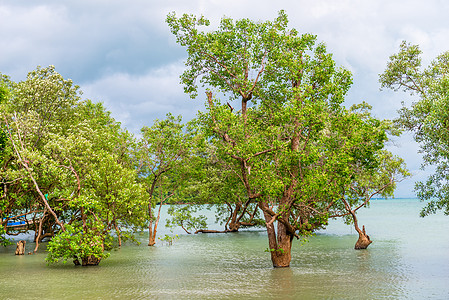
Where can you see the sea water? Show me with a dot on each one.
(408, 259)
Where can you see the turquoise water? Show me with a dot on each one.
(409, 259)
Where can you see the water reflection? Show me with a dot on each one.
(283, 283)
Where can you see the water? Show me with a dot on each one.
(409, 259)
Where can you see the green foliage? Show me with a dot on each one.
(4, 241)
(169, 239)
(5, 88)
(280, 250)
(77, 154)
(183, 216)
(75, 243)
(5, 94)
(279, 138)
(162, 156)
(165, 161)
(427, 118)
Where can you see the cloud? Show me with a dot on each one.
(136, 100)
(85, 40)
(29, 36)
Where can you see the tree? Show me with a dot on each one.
(69, 166)
(107, 197)
(182, 216)
(214, 186)
(371, 170)
(162, 156)
(427, 117)
(281, 141)
(36, 108)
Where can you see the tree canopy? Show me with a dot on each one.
(291, 144)
(427, 117)
(164, 158)
(67, 167)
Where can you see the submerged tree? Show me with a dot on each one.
(184, 217)
(214, 186)
(371, 170)
(281, 139)
(69, 165)
(427, 118)
(163, 155)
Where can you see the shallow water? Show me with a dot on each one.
(409, 259)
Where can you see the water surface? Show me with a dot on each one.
(409, 259)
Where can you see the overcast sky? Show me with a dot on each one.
(122, 53)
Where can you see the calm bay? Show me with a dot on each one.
(409, 259)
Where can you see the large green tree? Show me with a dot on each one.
(69, 168)
(163, 157)
(427, 117)
(274, 112)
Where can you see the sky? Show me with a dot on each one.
(123, 54)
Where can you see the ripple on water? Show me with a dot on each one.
(222, 266)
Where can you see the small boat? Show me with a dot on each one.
(15, 223)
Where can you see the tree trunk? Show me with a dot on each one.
(234, 226)
(90, 261)
(37, 239)
(20, 249)
(152, 231)
(87, 261)
(152, 238)
(282, 256)
(364, 241)
(119, 235)
(280, 242)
